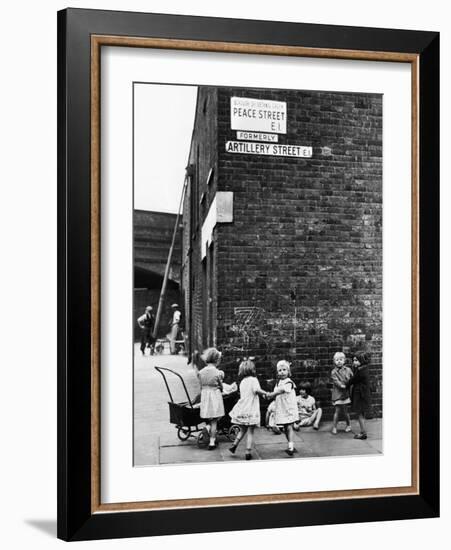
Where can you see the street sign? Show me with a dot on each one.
(274, 149)
(261, 115)
(257, 136)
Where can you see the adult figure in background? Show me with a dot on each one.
(174, 327)
(146, 323)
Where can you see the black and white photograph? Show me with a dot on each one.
(257, 274)
(225, 239)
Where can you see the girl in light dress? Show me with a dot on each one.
(286, 408)
(246, 412)
(211, 402)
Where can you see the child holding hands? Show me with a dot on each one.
(286, 409)
(211, 402)
(246, 412)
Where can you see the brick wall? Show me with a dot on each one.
(305, 246)
(201, 190)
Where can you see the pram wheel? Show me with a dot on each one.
(183, 433)
(234, 430)
(159, 349)
(203, 438)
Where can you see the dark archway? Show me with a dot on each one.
(146, 278)
(147, 289)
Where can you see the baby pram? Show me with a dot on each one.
(185, 415)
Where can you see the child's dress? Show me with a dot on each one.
(211, 402)
(247, 409)
(340, 376)
(360, 392)
(286, 407)
(270, 415)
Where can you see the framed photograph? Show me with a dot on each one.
(248, 274)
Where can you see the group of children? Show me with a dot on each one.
(287, 411)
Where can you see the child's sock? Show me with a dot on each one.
(290, 445)
(212, 440)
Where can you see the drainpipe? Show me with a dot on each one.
(293, 297)
(168, 264)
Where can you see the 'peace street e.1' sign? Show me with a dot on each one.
(275, 149)
(259, 115)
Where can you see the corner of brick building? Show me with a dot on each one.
(297, 275)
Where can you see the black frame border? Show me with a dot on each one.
(75, 520)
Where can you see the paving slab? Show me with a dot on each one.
(265, 436)
(275, 451)
(376, 444)
(337, 447)
(268, 445)
(151, 410)
(170, 439)
(373, 428)
(184, 455)
(239, 455)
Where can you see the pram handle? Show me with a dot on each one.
(160, 369)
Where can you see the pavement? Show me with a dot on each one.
(150, 404)
(156, 441)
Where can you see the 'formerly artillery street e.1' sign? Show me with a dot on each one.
(261, 120)
(275, 149)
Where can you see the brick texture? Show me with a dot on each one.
(305, 246)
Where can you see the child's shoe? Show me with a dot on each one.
(232, 449)
(360, 436)
(348, 429)
(334, 431)
(248, 456)
(290, 452)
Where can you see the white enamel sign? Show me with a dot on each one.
(274, 149)
(257, 136)
(260, 115)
